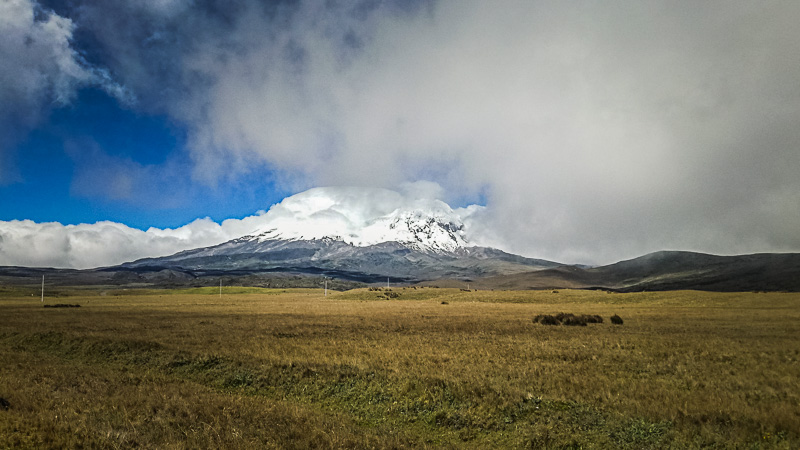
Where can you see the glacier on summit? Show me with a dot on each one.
(363, 217)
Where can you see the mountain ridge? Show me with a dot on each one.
(668, 270)
(367, 236)
(659, 271)
(369, 263)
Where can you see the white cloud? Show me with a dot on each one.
(38, 61)
(596, 131)
(27, 243)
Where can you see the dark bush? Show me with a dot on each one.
(573, 320)
(616, 320)
(568, 319)
(4, 404)
(546, 319)
(593, 318)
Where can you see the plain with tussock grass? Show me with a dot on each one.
(295, 369)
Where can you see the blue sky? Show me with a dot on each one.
(57, 164)
(590, 131)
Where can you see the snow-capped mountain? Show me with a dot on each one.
(358, 234)
(364, 217)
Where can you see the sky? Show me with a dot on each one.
(587, 132)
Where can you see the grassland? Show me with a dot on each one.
(261, 368)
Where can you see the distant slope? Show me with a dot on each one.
(302, 263)
(688, 270)
(669, 270)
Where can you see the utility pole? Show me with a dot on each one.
(42, 288)
(220, 288)
(326, 287)
(387, 282)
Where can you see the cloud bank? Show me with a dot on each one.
(591, 131)
(84, 246)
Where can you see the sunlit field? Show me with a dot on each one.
(258, 368)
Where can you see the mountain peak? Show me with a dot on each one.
(363, 217)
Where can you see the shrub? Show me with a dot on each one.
(573, 320)
(616, 320)
(568, 319)
(546, 319)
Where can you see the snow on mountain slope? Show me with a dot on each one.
(364, 217)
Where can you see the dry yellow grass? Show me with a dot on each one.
(435, 367)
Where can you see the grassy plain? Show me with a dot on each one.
(263, 368)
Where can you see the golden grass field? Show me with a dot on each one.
(432, 368)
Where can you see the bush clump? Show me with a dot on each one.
(567, 319)
(593, 318)
(546, 319)
(571, 320)
(616, 320)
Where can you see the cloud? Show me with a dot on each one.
(40, 69)
(592, 131)
(597, 131)
(27, 243)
